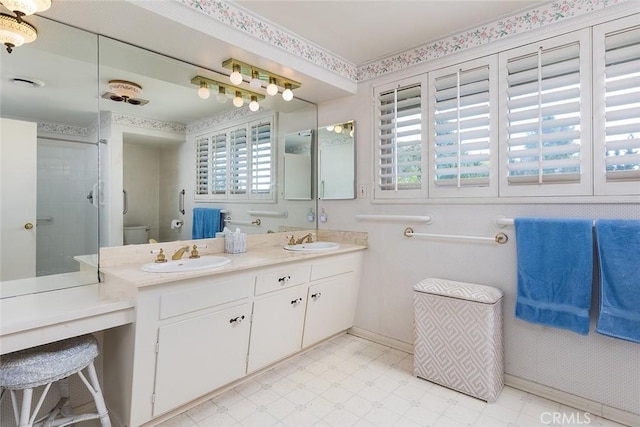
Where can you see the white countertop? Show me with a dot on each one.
(39, 318)
(253, 258)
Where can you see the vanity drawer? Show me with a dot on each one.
(284, 277)
(333, 266)
(207, 293)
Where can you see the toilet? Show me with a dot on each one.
(136, 234)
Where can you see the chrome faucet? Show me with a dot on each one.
(178, 254)
(307, 237)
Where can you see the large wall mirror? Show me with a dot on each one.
(68, 128)
(49, 156)
(336, 161)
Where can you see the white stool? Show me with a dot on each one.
(26, 369)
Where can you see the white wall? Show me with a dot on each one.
(141, 178)
(595, 367)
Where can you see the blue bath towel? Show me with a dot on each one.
(206, 223)
(555, 272)
(619, 253)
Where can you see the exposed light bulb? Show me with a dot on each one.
(330, 128)
(238, 101)
(222, 95)
(253, 105)
(236, 77)
(287, 95)
(351, 133)
(204, 92)
(255, 82)
(338, 129)
(272, 87)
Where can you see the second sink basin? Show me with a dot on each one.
(313, 247)
(187, 264)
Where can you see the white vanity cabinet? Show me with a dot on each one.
(193, 336)
(331, 298)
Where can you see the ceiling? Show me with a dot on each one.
(363, 31)
(349, 29)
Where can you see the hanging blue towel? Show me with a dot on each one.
(555, 272)
(619, 253)
(206, 223)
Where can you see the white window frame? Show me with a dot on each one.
(557, 188)
(245, 192)
(459, 187)
(399, 194)
(603, 185)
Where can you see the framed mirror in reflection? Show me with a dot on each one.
(336, 161)
(298, 170)
(49, 172)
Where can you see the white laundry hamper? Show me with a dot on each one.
(458, 336)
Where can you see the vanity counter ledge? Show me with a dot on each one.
(253, 258)
(35, 319)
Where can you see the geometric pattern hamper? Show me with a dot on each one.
(458, 336)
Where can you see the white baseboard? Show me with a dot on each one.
(381, 339)
(568, 399)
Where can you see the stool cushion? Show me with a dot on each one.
(47, 363)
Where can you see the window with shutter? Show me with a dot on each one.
(463, 118)
(261, 159)
(202, 165)
(400, 153)
(238, 166)
(236, 163)
(617, 86)
(218, 163)
(546, 117)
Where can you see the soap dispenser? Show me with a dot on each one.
(311, 216)
(323, 216)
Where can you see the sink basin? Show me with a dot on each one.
(313, 247)
(186, 264)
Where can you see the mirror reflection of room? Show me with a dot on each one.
(297, 165)
(336, 148)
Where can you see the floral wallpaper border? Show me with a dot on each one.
(159, 125)
(240, 19)
(62, 129)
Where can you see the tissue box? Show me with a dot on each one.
(235, 243)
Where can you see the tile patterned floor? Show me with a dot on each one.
(349, 381)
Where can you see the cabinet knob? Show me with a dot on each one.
(316, 295)
(28, 226)
(296, 301)
(237, 319)
(284, 279)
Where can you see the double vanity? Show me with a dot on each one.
(186, 333)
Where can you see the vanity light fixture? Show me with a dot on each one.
(236, 77)
(204, 91)
(255, 82)
(26, 7)
(287, 95)
(222, 95)
(253, 105)
(237, 100)
(15, 32)
(257, 76)
(272, 87)
(225, 88)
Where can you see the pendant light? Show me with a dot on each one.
(15, 32)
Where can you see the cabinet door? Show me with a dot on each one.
(331, 308)
(276, 328)
(200, 354)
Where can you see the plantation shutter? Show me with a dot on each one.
(400, 138)
(622, 105)
(202, 165)
(261, 158)
(239, 156)
(218, 161)
(547, 114)
(462, 134)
